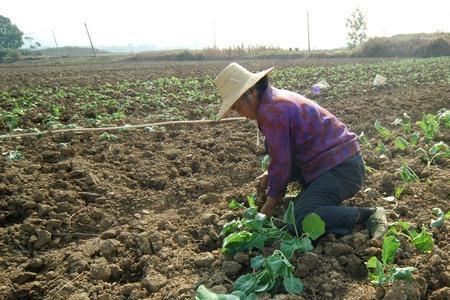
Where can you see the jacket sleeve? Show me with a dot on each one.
(278, 138)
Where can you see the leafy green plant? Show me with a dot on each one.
(270, 273)
(422, 241)
(441, 217)
(398, 191)
(105, 136)
(235, 205)
(405, 122)
(400, 143)
(438, 150)
(406, 173)
(14, 155)
(415, 136)
(204, 294)
(382, 131)
(12, 118)
(381, 272)
(369, 170)
(51, 121)
(380, 149)
(276, 269)
(154, 128)
(117, 116)
(363, 139)
(253, 231)
(429, 125)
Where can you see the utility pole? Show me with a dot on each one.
(89, 36)
(214, 34)
(56, 43)
(307, 25)
(54, 38)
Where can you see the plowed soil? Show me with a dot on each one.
(139, 218)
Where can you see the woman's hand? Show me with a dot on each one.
(270, 205)
(261, 183)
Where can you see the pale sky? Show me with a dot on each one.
(189, 23)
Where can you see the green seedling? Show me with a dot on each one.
(422, 241)
(380, 149)
(382, 131)
(384, 271)
(253, 231)
(437, 151)
(398, 191)
(415, 136)
(269, 273)
(51, 121)
(154, 128)
(405, 122)
(369, 170)
(406, 173)
(117, 116)
(430, 126)
(363, 139)
(105, 136)
(401, 144)
(441, 217)
(235, 205)
(12, 118)
(56, 110)
(204, 294)
(14, 155)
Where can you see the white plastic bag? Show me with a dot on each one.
(379, 80)
(319, 87)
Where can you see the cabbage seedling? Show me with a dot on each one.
(14, 155)
(405, 122)
(382, 131)
(415, 138)
(441, 217)
(406, 173)
(401, 143)
(438, 150)
(422, 241)
(429, 125)
(105, 136)
(381, 272)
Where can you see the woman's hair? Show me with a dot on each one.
(261, 86)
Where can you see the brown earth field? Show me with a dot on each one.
(138, 218)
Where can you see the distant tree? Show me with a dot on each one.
(34, 45)
(357, 26)
(10, 35)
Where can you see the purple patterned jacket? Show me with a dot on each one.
(301, 135)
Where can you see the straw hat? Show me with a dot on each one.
(233, 82)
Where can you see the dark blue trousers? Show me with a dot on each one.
(324, 195)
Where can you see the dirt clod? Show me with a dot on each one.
(231, 268)
(100, 272)
(337, 249)
(241, 257)
(43, 238)
(204, 259)
(153, 281)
